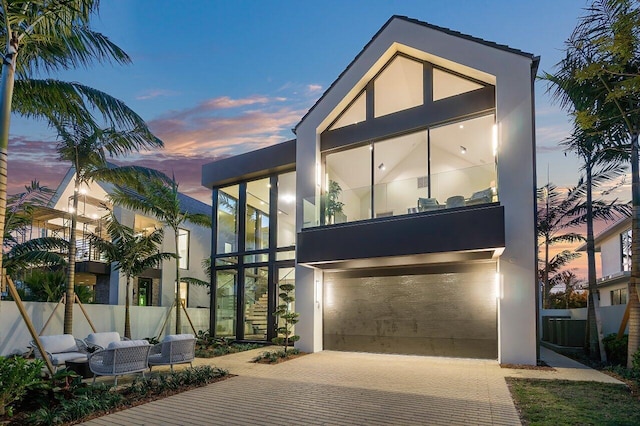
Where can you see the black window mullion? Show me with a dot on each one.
(242, 220)
(214, 251)
(272, 281)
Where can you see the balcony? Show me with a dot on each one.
(470, 233)
(471, 186)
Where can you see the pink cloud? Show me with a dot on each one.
(154, 93)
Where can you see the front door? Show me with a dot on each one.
(143, 295)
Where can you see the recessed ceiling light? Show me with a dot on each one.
(381, 167)
(463, 150)
(462, 126)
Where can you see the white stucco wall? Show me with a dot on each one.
(610, 255)
(516, 170)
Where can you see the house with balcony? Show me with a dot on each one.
(614, 246)
(153, 287)
(403, 210)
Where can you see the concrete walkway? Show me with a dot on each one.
(345, 388)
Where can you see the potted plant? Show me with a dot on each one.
(333, 206)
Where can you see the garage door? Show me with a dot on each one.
(441, 314)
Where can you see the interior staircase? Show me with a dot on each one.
(256, 318)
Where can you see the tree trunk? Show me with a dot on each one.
(596, 348)
(178, 301)
(127, 315)
(634, 305)
(6, 95)
(71, 273)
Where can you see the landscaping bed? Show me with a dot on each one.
(65, 399)
(276, 357)
(209, 347)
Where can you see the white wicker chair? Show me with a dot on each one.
(174, 349)
(101, 340)
(124, 357)
(60, 348)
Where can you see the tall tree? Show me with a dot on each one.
(555, 210)
(87, 148)
(603, 55)
(159, 197)
(43, 36)
(132, 253)
(22, 251)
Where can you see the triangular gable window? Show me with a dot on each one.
(355, 113)
(446, 85)
(398, 87)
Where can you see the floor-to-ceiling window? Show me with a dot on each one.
(256, 232)
(416, 138)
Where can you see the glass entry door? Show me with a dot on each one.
(143, 295)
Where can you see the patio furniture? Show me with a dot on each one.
(426, 204)
(60, 348)
(174, 349)
(123, 357)
(101, 340)
(480, 197)
(79, 366)
(455, 201)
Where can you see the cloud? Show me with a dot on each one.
(552, 135)
(155, 93)
(314, 88)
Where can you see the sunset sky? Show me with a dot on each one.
(216, 78)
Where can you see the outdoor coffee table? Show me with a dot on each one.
(79, 366)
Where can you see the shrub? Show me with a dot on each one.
(16, 376)
(616, 349)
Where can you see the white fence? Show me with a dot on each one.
(146, 321)
(611, 316)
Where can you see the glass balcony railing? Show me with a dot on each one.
(457, 188)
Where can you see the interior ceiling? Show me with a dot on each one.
(475, 135)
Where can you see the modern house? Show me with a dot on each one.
(403, 211)
(154, 287)
(614, 245)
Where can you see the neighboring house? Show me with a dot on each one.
(154, 287)
(614, 245)
(403, 211)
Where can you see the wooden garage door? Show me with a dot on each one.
(441, 314)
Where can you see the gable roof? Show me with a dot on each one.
(504, 47)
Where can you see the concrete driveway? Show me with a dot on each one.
(338, 388)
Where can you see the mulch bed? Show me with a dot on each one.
(279, 360)
(542, 366)
(19, 418)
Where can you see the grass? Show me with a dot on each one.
(563, 402)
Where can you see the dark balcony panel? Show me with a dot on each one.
(446, 236)
(273, 159)
(91, 267)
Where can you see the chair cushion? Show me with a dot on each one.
(174, 337)
(166, 343)
(62, 357)
(102, 339)
(59, 343)
(127, 344)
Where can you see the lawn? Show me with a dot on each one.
(562, 402)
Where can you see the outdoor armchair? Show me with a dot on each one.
(123, 357)
(174, 349)
(95, 341)
(60, 348)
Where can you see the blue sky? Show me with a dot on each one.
(216, 78)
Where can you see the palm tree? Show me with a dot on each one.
(553, 213)
(22, 251)
(47, 36)
(604, 52)
(87, 148)
(159, 197)
(131, 252)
